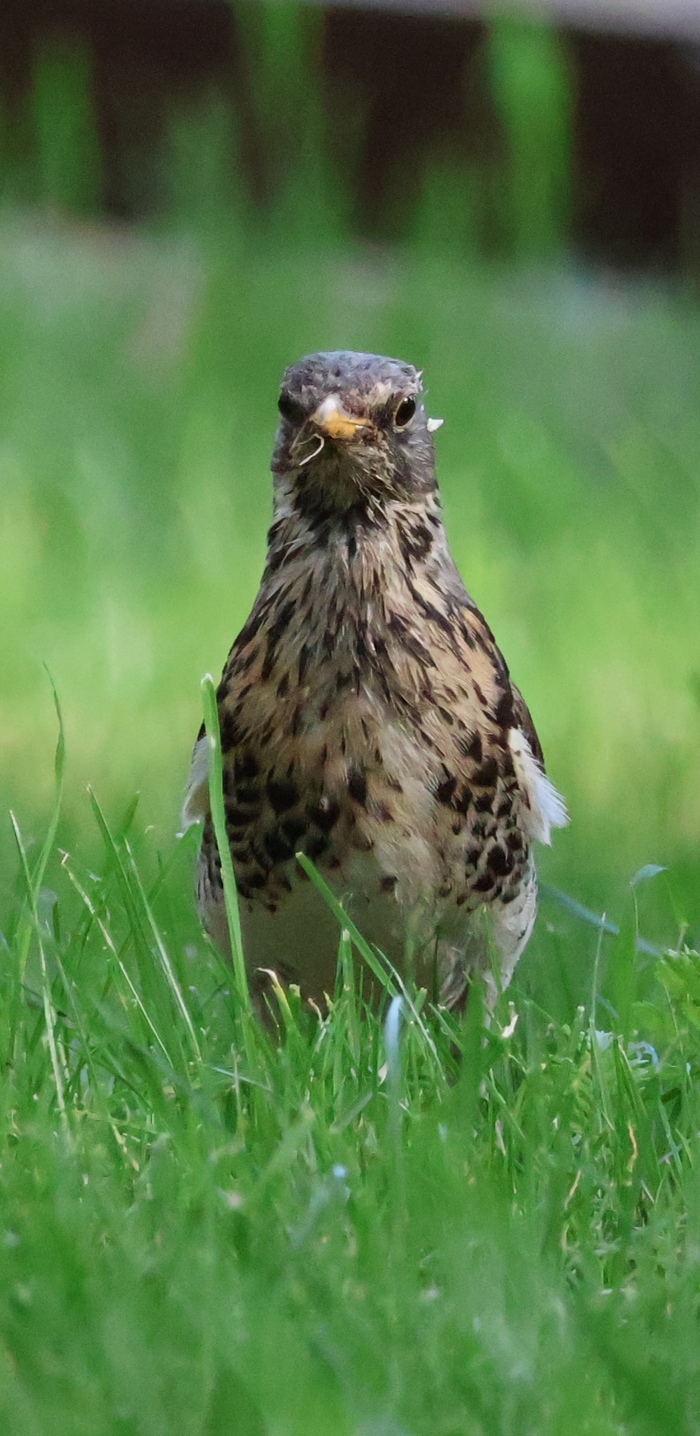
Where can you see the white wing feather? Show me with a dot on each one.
(196, 804)
(547, 807)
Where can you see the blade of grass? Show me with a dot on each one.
(138, 936)
(218, 816)
(49, 1010)
(164, 959)
(586, 914)
(349, 995)
(111, 947)
(392, 1047)
(27, 923)
(346, 924)
(390, 979)
(473, 1059)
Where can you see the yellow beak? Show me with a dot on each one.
(333, 420)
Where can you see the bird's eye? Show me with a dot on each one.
(289, 408)
(404, 413)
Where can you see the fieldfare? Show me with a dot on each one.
(367, 716)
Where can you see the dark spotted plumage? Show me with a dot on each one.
(368, 718)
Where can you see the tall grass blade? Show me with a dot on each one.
(163, 956)
(586, 914)
(218, 815)
(27, 923)
(116, 957)
(392, 1045)
(137, 933)
(374, 963)
(49, 1010)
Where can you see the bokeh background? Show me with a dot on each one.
(195, 193)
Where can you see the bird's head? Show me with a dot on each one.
(353, 434)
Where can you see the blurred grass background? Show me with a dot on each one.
(138, 374)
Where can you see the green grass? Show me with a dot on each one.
(347, 1230)
(349, 1227)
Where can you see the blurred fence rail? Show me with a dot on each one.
(675, 19)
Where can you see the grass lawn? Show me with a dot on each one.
(352, 1230)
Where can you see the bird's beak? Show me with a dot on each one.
(333, 421)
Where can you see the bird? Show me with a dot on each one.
(368, 718)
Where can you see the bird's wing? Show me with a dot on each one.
(522, 719)
(547, 808)
(499, 714)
